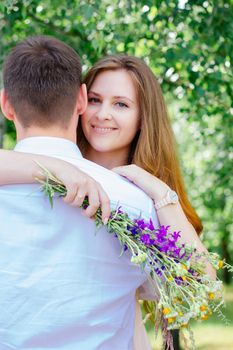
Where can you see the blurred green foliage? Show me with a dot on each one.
(213, 334)
(189, 46)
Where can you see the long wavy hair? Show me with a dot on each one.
(154, 146)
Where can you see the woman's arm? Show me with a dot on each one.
(20, 168)
(172, 214)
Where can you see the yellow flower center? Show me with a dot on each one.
(184, 267)
(211, 296)
(171, 319)
(205, 317)
(203, 307)
(166, 311)
(220, 264)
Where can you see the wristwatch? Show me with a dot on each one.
(170, 198)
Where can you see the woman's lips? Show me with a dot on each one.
(102, 130)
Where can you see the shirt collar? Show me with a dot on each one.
(54, 146)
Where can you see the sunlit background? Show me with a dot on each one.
(189, 46)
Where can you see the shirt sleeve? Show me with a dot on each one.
(148, 291)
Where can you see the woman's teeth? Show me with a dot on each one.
(102, 130)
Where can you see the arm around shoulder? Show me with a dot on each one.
(21, 168)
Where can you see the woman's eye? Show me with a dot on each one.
(93, 100)
(122, 104)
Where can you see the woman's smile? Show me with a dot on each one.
(103, 129)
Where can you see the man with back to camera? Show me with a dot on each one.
(62, 286)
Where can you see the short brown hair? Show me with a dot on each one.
(41, 77)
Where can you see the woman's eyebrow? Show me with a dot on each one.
(116, 97)
(93, 92)
(124, 97)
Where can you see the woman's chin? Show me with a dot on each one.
(102, 146)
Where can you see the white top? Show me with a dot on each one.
(64, 286)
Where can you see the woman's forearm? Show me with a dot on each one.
(173, 215)
(20, 168)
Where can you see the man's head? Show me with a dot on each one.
(42, 79)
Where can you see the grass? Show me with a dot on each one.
(212, 334)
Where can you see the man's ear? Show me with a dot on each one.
(82, 99)
(6, 107)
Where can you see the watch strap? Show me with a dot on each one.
(167, 200)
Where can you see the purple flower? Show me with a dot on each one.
(179, 281)
(194, 273)
(141, 224)
(133, 230)
(151, 226)
(176, 252)
(119, 211)
(164, 248)
(176, 235)
(182, 255)
(161, 234)
(189, 256)
(146, 239)
(163, 229)
(172, 244)
(158, 271)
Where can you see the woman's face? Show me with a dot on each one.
(111, 119)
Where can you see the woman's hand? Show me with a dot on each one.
(80, 185)
(151, 185)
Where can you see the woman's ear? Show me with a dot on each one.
(7, 109)
(82, 99)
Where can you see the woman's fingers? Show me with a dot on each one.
(97, 197)
(76, 190)
(151, 185)
(105, 205)
(94, 202)
(128, 171)
(71, 193)
(79, 198)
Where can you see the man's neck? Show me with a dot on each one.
(48, 132)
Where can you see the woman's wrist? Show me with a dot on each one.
(54, 165)
(170, 198)
(160, 193)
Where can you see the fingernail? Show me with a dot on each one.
(105, 221)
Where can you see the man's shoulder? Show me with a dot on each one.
(119, 189)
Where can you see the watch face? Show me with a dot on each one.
(173, 197)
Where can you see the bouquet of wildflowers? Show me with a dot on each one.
(176, 270)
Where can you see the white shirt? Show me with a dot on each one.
(63, 285)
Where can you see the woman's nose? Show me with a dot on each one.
(104, 112)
